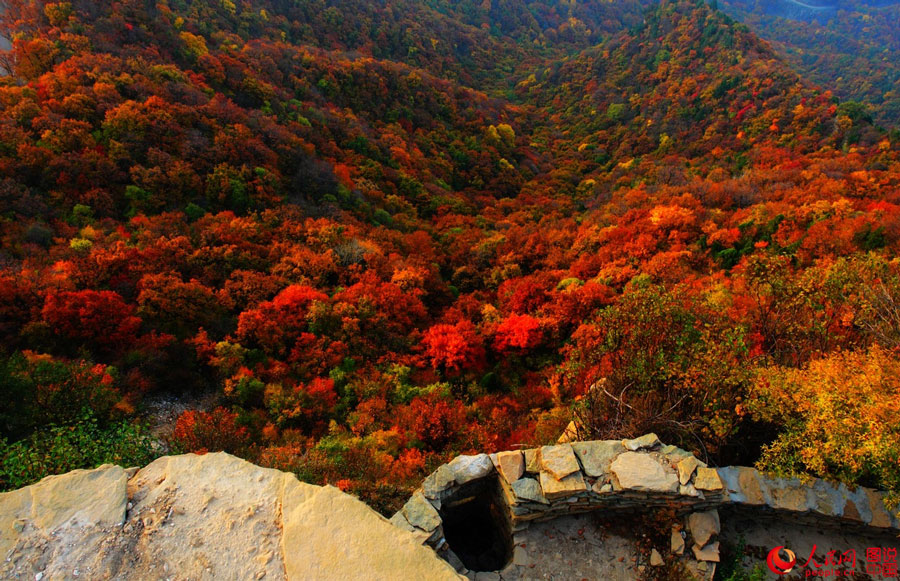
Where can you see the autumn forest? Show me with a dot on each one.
(352, 239)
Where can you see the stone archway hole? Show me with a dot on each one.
(476, 526)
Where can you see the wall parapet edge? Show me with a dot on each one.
(636, 475)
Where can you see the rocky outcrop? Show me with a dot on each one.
(201, 517)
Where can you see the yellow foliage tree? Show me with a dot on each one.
(839, 416)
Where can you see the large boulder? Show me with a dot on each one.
(201, 517)
(69, 501)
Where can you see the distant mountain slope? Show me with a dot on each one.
(689, 81)
(167, 107)
(852, 48)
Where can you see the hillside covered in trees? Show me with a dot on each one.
(850, 47)
(388, 233)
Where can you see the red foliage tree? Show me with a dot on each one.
(100, 318)
(433, 420)
(517, 332)
(198, 431)
(454, 348)
(274, 322)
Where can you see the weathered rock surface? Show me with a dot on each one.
(677, 542)
(709, 553)
(686, 469)
(553, 488)
(645, 441)
(570, 434)
(82, 497)
(420, 513)
(643, 472)
(597, 456)
(704, 526)
(468, 468)
(511, 465)
(533, 460)
(707, 479)
(559, 460)
(331, 535)
(200, 517)
(438, 481)
(529, 489)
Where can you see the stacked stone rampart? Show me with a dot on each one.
(636, 475)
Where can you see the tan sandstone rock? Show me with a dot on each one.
(703, 526)
(559, 460)
(686, 469)
(636, 471)
(570, 434)
(645, 441)
(707, 479)
(677, 542)
(709, 553)
(210, 516)
(533, 460)
(511, 465)
(80, 497)
(332, 535)
(554, 488)
(881, 518)
(751, 486)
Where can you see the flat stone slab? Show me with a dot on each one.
(704, 526)
(709, 553)
(438, 481)
(554, 488)
(332, 535)
(751, 486)
(529, 489)
(596, 456)
(881, 518)
(511, 465)
(468, 468)
(636, 471)
(645, 441)
(708, 479)
(532, 460)
(559, 461)
(97, 497)
(421, 514)
(686, 469)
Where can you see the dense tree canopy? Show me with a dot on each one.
(387, 233)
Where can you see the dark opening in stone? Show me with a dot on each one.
(476, 525)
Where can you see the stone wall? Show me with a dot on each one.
(635, 475)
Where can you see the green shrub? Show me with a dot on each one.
(85, 444)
